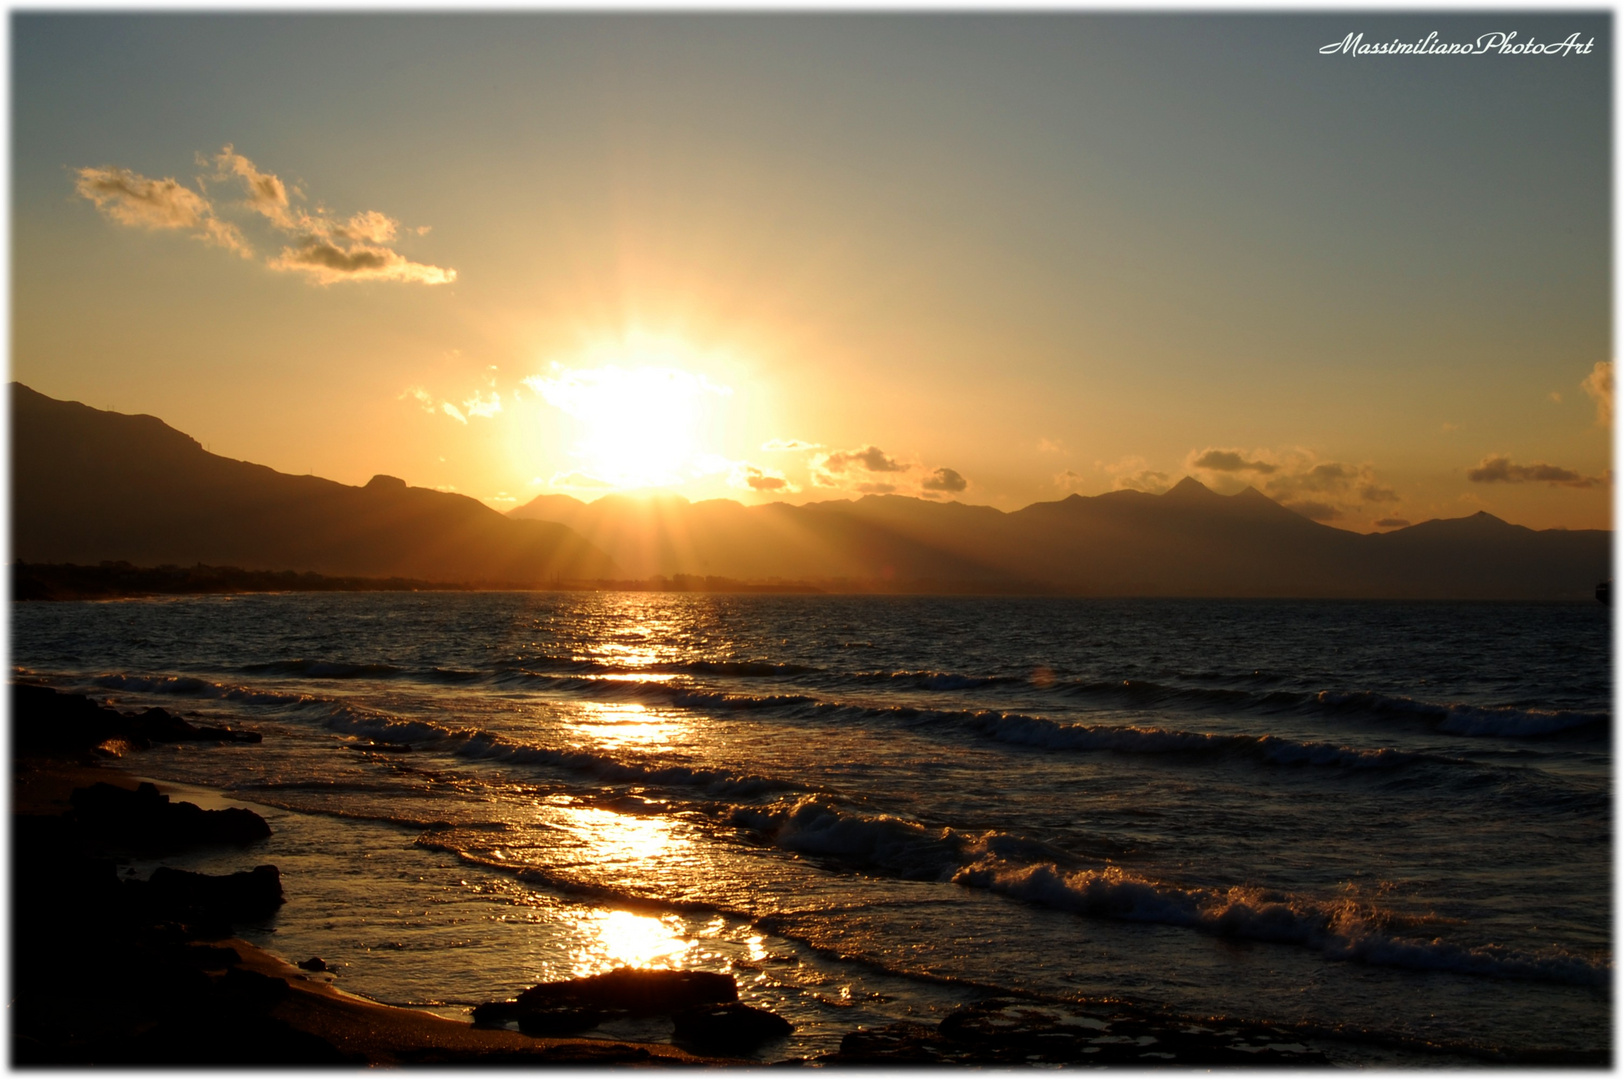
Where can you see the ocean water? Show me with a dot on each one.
(1390, 821)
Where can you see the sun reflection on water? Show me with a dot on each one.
(625, 726)
(606, 940)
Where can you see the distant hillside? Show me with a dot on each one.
(89, 486)
(1189, 541)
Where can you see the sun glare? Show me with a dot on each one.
(639, 424)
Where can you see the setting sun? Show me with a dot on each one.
(638, 427)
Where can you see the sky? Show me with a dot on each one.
(997, 258)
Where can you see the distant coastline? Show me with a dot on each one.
(123, 580)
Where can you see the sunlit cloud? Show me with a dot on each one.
(267, 195)
(323, 249)
(1599, 385)
(876, 488)
(869, 458)
(481, 405)
(326, 262)
(453, 412)
(780, 446)
(748, 477)
(1498, 469)
(129, 198)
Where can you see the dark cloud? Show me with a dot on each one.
(1377, 494)
(1314, 510)
(945, 480)
(1498, 469)
(1392, 523)
(327, 262)
(871, 458)
(876, 489)
(1231, 461)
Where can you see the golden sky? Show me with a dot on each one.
(994, 258)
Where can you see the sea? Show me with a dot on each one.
(1387, 826)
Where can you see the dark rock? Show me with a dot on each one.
(564, 1020)
(729, 1027)
(315, 963)
(637, 991)
(250, 894)
(160, 725)
(496, 1013)
(44, 721)
(146, 820)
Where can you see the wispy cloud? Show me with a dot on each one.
(1129, 474)
(132, 199)
(1499, 469)
(782, 446)
(1599, 385)
(324, 249)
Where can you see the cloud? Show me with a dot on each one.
(327, 262)
(453, 412)
(1391, 523)
(325, 250)
(1499, 469)
(479, 405)
(1314, 510)
(1599, 385)
(876, 489)
(1297, 479)
(267, 195)
(776, 446)
(945, 479)
(754, 478)
(141, 202)
(422, 397)
(870, 458)
(1049, 446)
(1131, 473)
(1229, 461)
(1147, 480)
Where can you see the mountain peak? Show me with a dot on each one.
(1189, 488)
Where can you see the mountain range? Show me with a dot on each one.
(90, 485)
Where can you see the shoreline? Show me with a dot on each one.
(104, 948)
(360, 1030)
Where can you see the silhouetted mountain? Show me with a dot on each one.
(89, 486)
(1189, 541)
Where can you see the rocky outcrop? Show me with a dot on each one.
(731, 1028)
(145, 820)
(45, 721)
(573, 1005)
